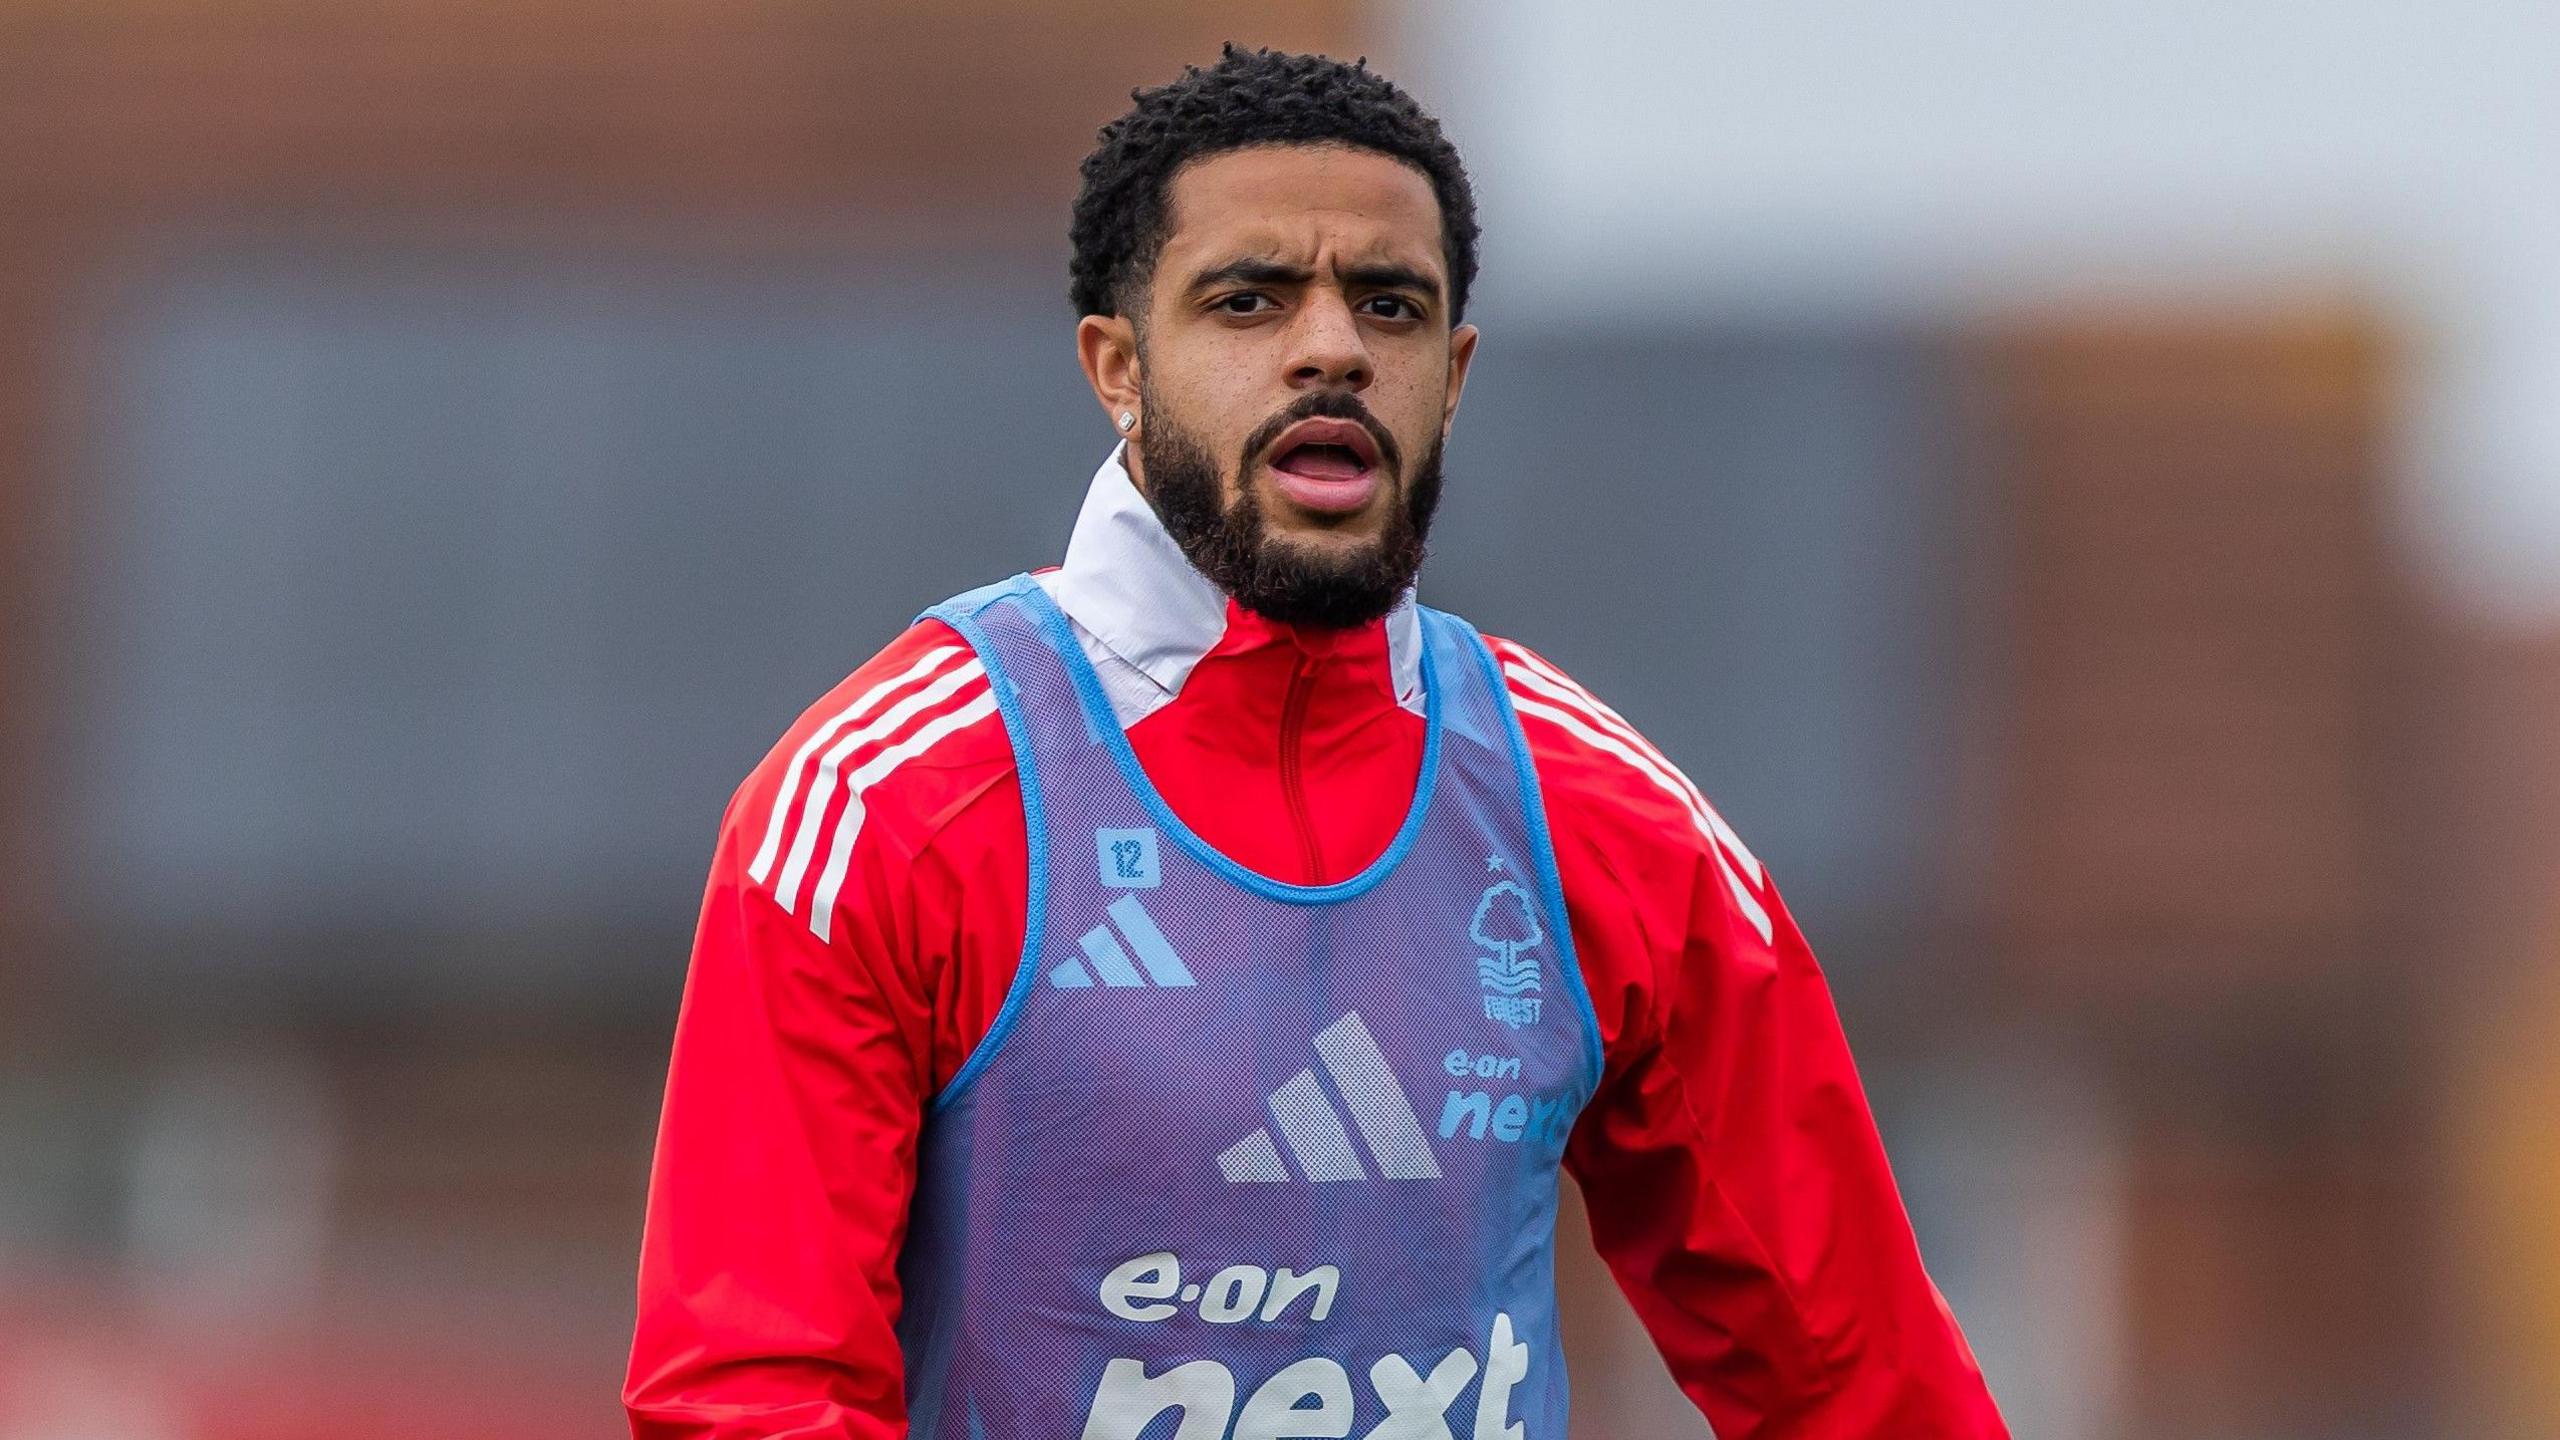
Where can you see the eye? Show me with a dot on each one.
(1227, 304)
(1409, 310)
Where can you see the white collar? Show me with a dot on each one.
(1143, 611)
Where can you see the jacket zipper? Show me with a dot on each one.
(1293, 716)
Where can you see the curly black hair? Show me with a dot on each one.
(1256, 97)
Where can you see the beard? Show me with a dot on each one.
(1272, 575)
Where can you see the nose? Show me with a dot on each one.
(1328, 350)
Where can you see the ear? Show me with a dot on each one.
(1462, 355)
(1107, 348)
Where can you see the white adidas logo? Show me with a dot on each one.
(1313, 1127)
(1154, 953)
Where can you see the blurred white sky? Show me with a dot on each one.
(1922, 161)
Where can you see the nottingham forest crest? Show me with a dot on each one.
(1506, 925)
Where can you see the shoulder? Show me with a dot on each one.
(869, 773)
(1615, 793)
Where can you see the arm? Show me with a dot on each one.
(831, 975)
(1739, 1192)
(785, 1159)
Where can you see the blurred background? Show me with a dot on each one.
(2086, 480)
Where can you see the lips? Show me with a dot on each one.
(1323, 462)
(1326, 465)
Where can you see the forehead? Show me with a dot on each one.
(1292, 201)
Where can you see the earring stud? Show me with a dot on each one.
(1127, 419)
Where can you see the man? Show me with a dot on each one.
(1156, 997)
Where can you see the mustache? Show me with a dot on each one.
(1323, 405)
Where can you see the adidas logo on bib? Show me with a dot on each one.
(1112, 962)
(1313, 1128)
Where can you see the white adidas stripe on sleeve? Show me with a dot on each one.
(859, 746)
(1542, 692)
(849, 825)
(822, 787)
(1598, 709)
(762, 865)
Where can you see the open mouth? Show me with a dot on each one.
(1330, 466)
(1323, 462)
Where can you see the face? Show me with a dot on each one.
(1295, 375)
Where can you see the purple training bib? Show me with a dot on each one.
(1241, 1159)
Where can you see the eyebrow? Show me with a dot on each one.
(1375, 274)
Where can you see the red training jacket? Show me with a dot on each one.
(864, 919)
